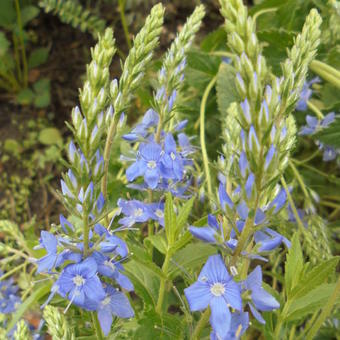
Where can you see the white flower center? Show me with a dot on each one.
(173, 156)
(152, 164)
(78, 280)
(138, 212)
(159, 213)
(106, 301)
(217, 289)
(109, 264)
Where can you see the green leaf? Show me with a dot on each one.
(190, 258)
(7, 14)
(182, 241)
(4, 44)
(225, 88)
(183, 215)
(37, 294)
(50, 136)
(28, 13)
(25, 97)
(158, 241)
(331, 135)
(12, 146)
(169, 219)
(294, 264)
(315, 277)
(145, 281)
(310, 302)
(214, 40)
(38, 57)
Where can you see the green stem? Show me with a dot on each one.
(23, 50)
(329, 74)
(315, 110)
(222, 54)
(163, 283)
(3, 277)
(107, 153)
(326, 311)
(290, 200)
(263, 11)
(299, 179)
(307, 159)
(96, 326)
(201, 324)
(123, 20)
(202, 135)
(86, 229)
(321, 65)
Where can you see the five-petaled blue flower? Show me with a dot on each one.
(114, 303)
(148, 164)
(314, 124)
(216, 288)
(260, 299)
(134, 211)
(79, 283)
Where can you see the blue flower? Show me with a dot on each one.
(134, 211)
(157, 212)
(147, 164)
(217, 289)
(260, 299)
(49, 242)
(171, 159)
(114, 303)
(238, 325)
(306, 93)
(141, 130)
(79, 283)
(210, 233)
(269, 239)
(314, 124)
(9, 304)
(109, 268)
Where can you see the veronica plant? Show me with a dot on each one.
(259, 133)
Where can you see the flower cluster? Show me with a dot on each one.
(160, 156)
(315, 125)
(217, 289)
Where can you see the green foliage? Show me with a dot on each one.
(73, 13)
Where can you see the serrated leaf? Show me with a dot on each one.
(183, 214)
(158, 241)
(293, 264)
(226, 91)
(50, 136)
(145, 281)
(310, 302)
(190, 258)
(314, 277)
(38, 57)
(169, 219)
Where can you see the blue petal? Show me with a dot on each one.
(105, 320)
(206, 234)
(49, 242)
(220, 318)
(124, 282)
(263, 300)
(169, 143)
(198, 295)
(212, 221)
(152, 177)
(150, 151)
(120, 305)
(233, 295)
(135, 170)
(242, 210)
(254, 279)
(214, 270)
(93, 289)
(224, 197)
(256, 314)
